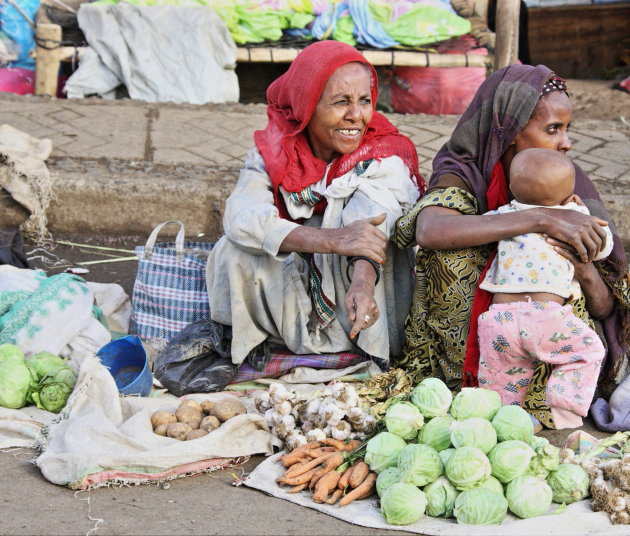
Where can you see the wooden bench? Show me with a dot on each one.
(502, 46)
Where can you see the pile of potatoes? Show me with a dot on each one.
(192, 420)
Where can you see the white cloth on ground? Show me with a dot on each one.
(161, 53)
(263, 293)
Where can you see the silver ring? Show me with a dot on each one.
(366, 319)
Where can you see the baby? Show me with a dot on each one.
(529, 320)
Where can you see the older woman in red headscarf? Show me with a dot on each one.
(306, 260)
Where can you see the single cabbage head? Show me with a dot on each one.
(528, 496)
(15, 379)
(436, 433)
(475, 402)
(546, 459)
(382, 451)
(473, 432)
(568, 483)
(513, 422)
(445, 455)
(11, 352)
(386, 478)
(419, 464)
(403, 419)
(45, 363)
(510, 459)
(492, 484)
(403, 504)
(467, 467)
(480, 506)
(53, 391)
(441, 495)
(432, 397)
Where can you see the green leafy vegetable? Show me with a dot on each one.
(467, 467)
(569, 483)
(403, 504)
(419, 464)
(386, 478)
(15, 378)
(436, 433)
(480, 506)
(473, 432)
(382, 451)
(432, 397)
(475, 402)
(440, 495)
(403, 419)
(510, 459)
(528, 496)
(513, 422)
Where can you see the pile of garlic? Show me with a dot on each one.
(333, 412)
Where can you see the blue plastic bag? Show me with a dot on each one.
(15, 26)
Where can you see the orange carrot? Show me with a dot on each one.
(345, 477)
(296, 489)
(297, 480)
(361, 470)
(290, 458)
(342, 446)
(315, 453)
(335, 496)
(313, 463)
(365, 489)
(326, 484)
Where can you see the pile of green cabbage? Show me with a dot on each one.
(43, 379)
(467, 457)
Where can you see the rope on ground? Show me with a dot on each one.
(96, 520)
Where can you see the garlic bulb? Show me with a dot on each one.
(295, 440)
(341, 431)
(345, 395)
(316, 434)
(369, 423)
(333, 414)
(278, 393)
(307, 426)
(272, 417)
(283, 408)
(262, 401)
(355, 415)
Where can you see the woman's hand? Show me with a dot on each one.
(361, 237)
(360, 303)
(584, 233)
(599, 299)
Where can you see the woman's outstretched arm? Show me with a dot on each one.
(444, 228)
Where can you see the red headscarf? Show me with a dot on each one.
(292, 99)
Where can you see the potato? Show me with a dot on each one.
(178, 430)
(206, 406)
(162, 417)
(194, 434)
(160, 429)
(227, 408)
(192, 403)
(189, 414)
(209, 423)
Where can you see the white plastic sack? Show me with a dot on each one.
(578, 519)
(160, 53)
(100, 431)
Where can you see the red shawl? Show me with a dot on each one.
(292, 99)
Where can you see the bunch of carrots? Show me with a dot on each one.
(331, 469)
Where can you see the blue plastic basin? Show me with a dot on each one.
(126, 360)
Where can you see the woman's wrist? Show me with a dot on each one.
(365, 271)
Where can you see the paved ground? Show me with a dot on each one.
(123, 167)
